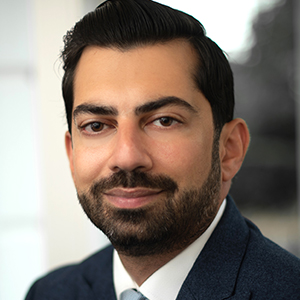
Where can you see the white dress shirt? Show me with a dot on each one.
(165, 283)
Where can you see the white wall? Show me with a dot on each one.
(21, 230)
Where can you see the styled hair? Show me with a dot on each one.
(125, 24)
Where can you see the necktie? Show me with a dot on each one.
(132, 295)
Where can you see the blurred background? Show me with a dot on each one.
(42, 225)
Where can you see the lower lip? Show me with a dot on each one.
(131, 203)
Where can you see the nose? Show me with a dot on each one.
(129, 151)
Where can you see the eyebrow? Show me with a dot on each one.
(95, 110)
(87, 108)
(161, 102)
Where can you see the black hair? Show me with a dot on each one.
(126, 24)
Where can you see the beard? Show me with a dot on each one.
(171, 223)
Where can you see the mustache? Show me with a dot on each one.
(134, 179)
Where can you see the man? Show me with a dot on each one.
(153, 148)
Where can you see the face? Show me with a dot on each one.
(142, 152)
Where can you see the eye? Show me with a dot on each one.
(94, 127)
(165, 121)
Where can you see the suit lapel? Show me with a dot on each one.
(99, 276)
(215, 271)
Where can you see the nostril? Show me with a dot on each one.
(129, 152)
(128, 161)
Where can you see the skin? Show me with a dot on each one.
(175, 138)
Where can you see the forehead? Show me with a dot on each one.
(135, 75)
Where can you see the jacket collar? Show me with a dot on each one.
(98, 275)
(215, 271)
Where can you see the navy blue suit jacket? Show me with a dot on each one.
(237, 262)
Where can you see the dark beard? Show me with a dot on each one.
(171, 224)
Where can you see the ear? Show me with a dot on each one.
(69, 149)
(234, 142)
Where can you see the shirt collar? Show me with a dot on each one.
(166, 282)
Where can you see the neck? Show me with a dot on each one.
(142, 267)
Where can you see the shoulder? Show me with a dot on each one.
(262, 249)
(250, 261)
(269, 267)
(77, 279)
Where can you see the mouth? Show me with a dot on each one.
(131, 198)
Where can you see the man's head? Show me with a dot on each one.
(126, 24)
(151, 157)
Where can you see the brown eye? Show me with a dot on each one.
(166, 121)
(96, 126)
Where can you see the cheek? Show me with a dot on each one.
(88, 166)
(186, 162)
